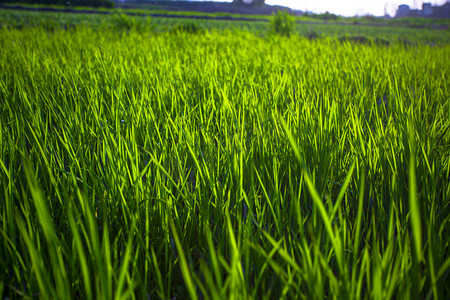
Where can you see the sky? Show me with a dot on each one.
(349, 7)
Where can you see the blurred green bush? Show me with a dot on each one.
(282, 23)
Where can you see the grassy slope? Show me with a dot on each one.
(226, 165)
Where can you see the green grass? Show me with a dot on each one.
(344, 29)
(221, 165)
(143, 9)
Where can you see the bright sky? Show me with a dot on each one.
(349, 7)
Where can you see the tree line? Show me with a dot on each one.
(109, 3)
(94, 3)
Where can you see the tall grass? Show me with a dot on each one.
(222, 166)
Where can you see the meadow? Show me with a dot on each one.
(222, 164)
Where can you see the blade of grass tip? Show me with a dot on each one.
(106, 247)
(433, 288)
(42, 278)
(359, 215)
(159, 279)
(213, 254)
(4, 170)
(315, 196)
(54, 245)
(183, 263)
(193, 155)
(364, 268)
(443, 269)
(269, 201)
(93, 238)
(161, 168)
(81, 255)
(413, 201)
(2, 284)
(2, 165)
(124, 265)
(13, 250)
(282, 252)
(207, 276)
(235, 265)
(326, 220)
(354, 281)
(291, 140)
(343, 190)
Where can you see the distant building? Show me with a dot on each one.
(415, 13)
(442, 11)
(249, 2)
(403, 11)
(428, 10)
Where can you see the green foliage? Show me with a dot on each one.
(190, 27)
(379, 34)
(221, 166)
(123, 22)
(282, 23)
(326, 16)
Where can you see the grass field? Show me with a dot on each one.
(408, 30)
(222, 165)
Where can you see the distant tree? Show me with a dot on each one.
(95, 3)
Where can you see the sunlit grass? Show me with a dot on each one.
(225, 166)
